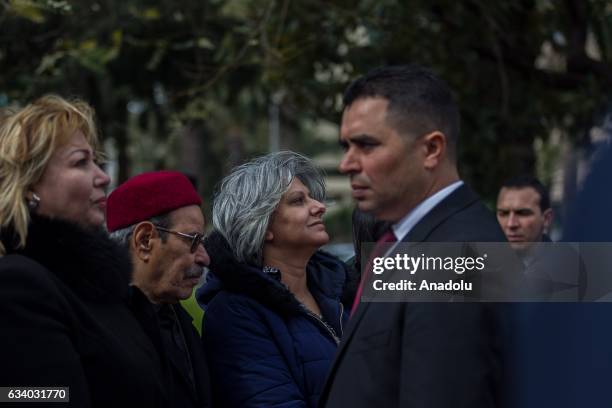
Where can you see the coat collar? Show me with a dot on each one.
(86, 260)
(326, 276)
(459, 199)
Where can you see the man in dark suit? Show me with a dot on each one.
(399, 132)
(552, 270)
(157, 216)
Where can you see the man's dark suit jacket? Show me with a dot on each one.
(430, 355)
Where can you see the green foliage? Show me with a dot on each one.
(214, 69)
(192, 307)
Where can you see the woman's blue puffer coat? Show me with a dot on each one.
(264, 348)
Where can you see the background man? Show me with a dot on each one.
(399, 133)
(547, 333)
(525, 215)
(524, 212)
(157, 216)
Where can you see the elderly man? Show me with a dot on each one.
(399, 132)
(157, 216)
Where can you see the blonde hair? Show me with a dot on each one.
(28, 139)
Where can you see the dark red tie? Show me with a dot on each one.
(379, 250)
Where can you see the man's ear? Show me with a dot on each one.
(269, 236)
(434, 145)
(141, 243)
(548, 219)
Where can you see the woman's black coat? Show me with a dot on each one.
(65, 320)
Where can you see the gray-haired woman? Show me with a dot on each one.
(273, 316)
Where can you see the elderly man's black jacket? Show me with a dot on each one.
(179, 387)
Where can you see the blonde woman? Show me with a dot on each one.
(64, 315)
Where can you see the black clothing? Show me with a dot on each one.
(185, 354)
(174, 342)
(434, 355)
(65, 319)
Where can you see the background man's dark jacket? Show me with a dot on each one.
(566, 348)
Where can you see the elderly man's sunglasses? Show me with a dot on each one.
(196, 239)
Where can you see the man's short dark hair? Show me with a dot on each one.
(419, 101)
(525, 181)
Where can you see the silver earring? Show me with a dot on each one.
(33, 202)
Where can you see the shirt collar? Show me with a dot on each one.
(405, 225)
